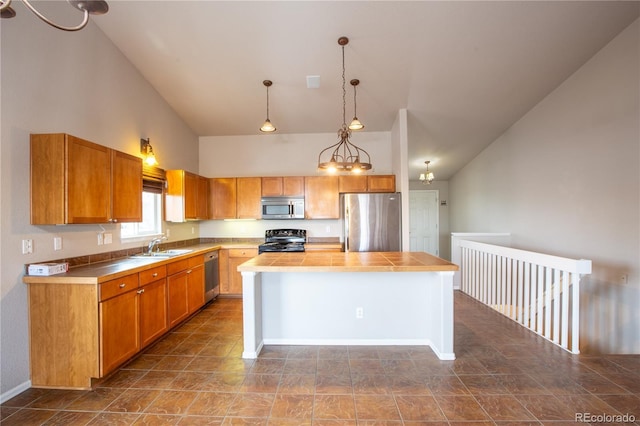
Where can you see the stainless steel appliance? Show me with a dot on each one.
(372, 222)
(282, 208)
(289, 240)
(211, 276)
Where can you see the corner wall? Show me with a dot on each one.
(565, 180)
(77, 83)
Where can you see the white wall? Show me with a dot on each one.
(77, 83)
(280, 154)
(565, 180)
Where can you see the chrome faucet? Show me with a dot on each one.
(153, 244)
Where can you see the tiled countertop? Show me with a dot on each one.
(347, 262)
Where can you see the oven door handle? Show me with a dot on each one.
(291, 209)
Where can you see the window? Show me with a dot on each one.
(151, 218)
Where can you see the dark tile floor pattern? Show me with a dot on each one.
(503, 375)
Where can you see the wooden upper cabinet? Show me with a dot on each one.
(126, 184)
(381, 183)
(186, 197)
(235, 198)
(322, 197)
(203, 198)
(287, 186)
(76, 181)
(367, 183)
(353, 183)
(249, 190)
(222, 198)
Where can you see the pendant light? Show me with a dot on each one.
(93, 7)
(355, 123)
(426, 177)
(267, 127)
(344, 156)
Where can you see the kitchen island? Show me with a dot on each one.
(315, 298)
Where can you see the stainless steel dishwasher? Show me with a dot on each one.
(211, 276)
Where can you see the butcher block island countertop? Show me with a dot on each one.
(347, 262)
(355, 298)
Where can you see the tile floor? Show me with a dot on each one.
(503, 375)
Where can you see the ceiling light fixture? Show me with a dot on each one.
(355, 123)
(426, 177)
(147, 150)
(88, 7)
(345, 156)
(267, 126)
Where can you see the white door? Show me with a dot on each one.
(423, 221)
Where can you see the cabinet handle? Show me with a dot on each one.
(189, 271)
(140, 291)
(155, 274)
(122, 285)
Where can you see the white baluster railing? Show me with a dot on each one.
(539, 291)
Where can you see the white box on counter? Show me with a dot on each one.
(48, 268)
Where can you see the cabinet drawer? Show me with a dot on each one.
(118, 286)
(195, 261)
(243, 252)
(152, 275)
(175, 267)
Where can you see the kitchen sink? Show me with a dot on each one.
(162, 254)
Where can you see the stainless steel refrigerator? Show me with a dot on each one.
(371, 222)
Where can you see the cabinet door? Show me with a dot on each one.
(195, 295)
(248, 200)
(222, 198)
(119, 332)
(235, 277)
(322, 198)
(126, 184)
(88, 192)
(223, 270)
(353, 183)
(272, 186)
(154, 320)
(47, 179)
(381, 183)
(190, 196)
(203, 198)
(178, 304)
(293, 186)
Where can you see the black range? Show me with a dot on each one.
(283, 240)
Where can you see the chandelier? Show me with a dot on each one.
(344, 156)
(427, 177)
(88, 7)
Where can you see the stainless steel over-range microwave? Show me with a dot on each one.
(283, 208)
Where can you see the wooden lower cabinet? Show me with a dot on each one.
(119, 331)
(81, 332)
(186, 288)
(230, 278)
(154, 321)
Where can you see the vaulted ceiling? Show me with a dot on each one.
(465, 71)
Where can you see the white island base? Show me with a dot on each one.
(348, 308)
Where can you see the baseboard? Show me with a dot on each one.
(4, 397)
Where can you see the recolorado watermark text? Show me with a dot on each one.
(605, 418)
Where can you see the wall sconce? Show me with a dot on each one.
(147, 151)
(427, 177)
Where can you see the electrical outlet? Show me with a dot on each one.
(108, 238)
(168, 232)
(100, 239)
(359, 313)
(27, 246)
(193, 229)
(57, 243)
